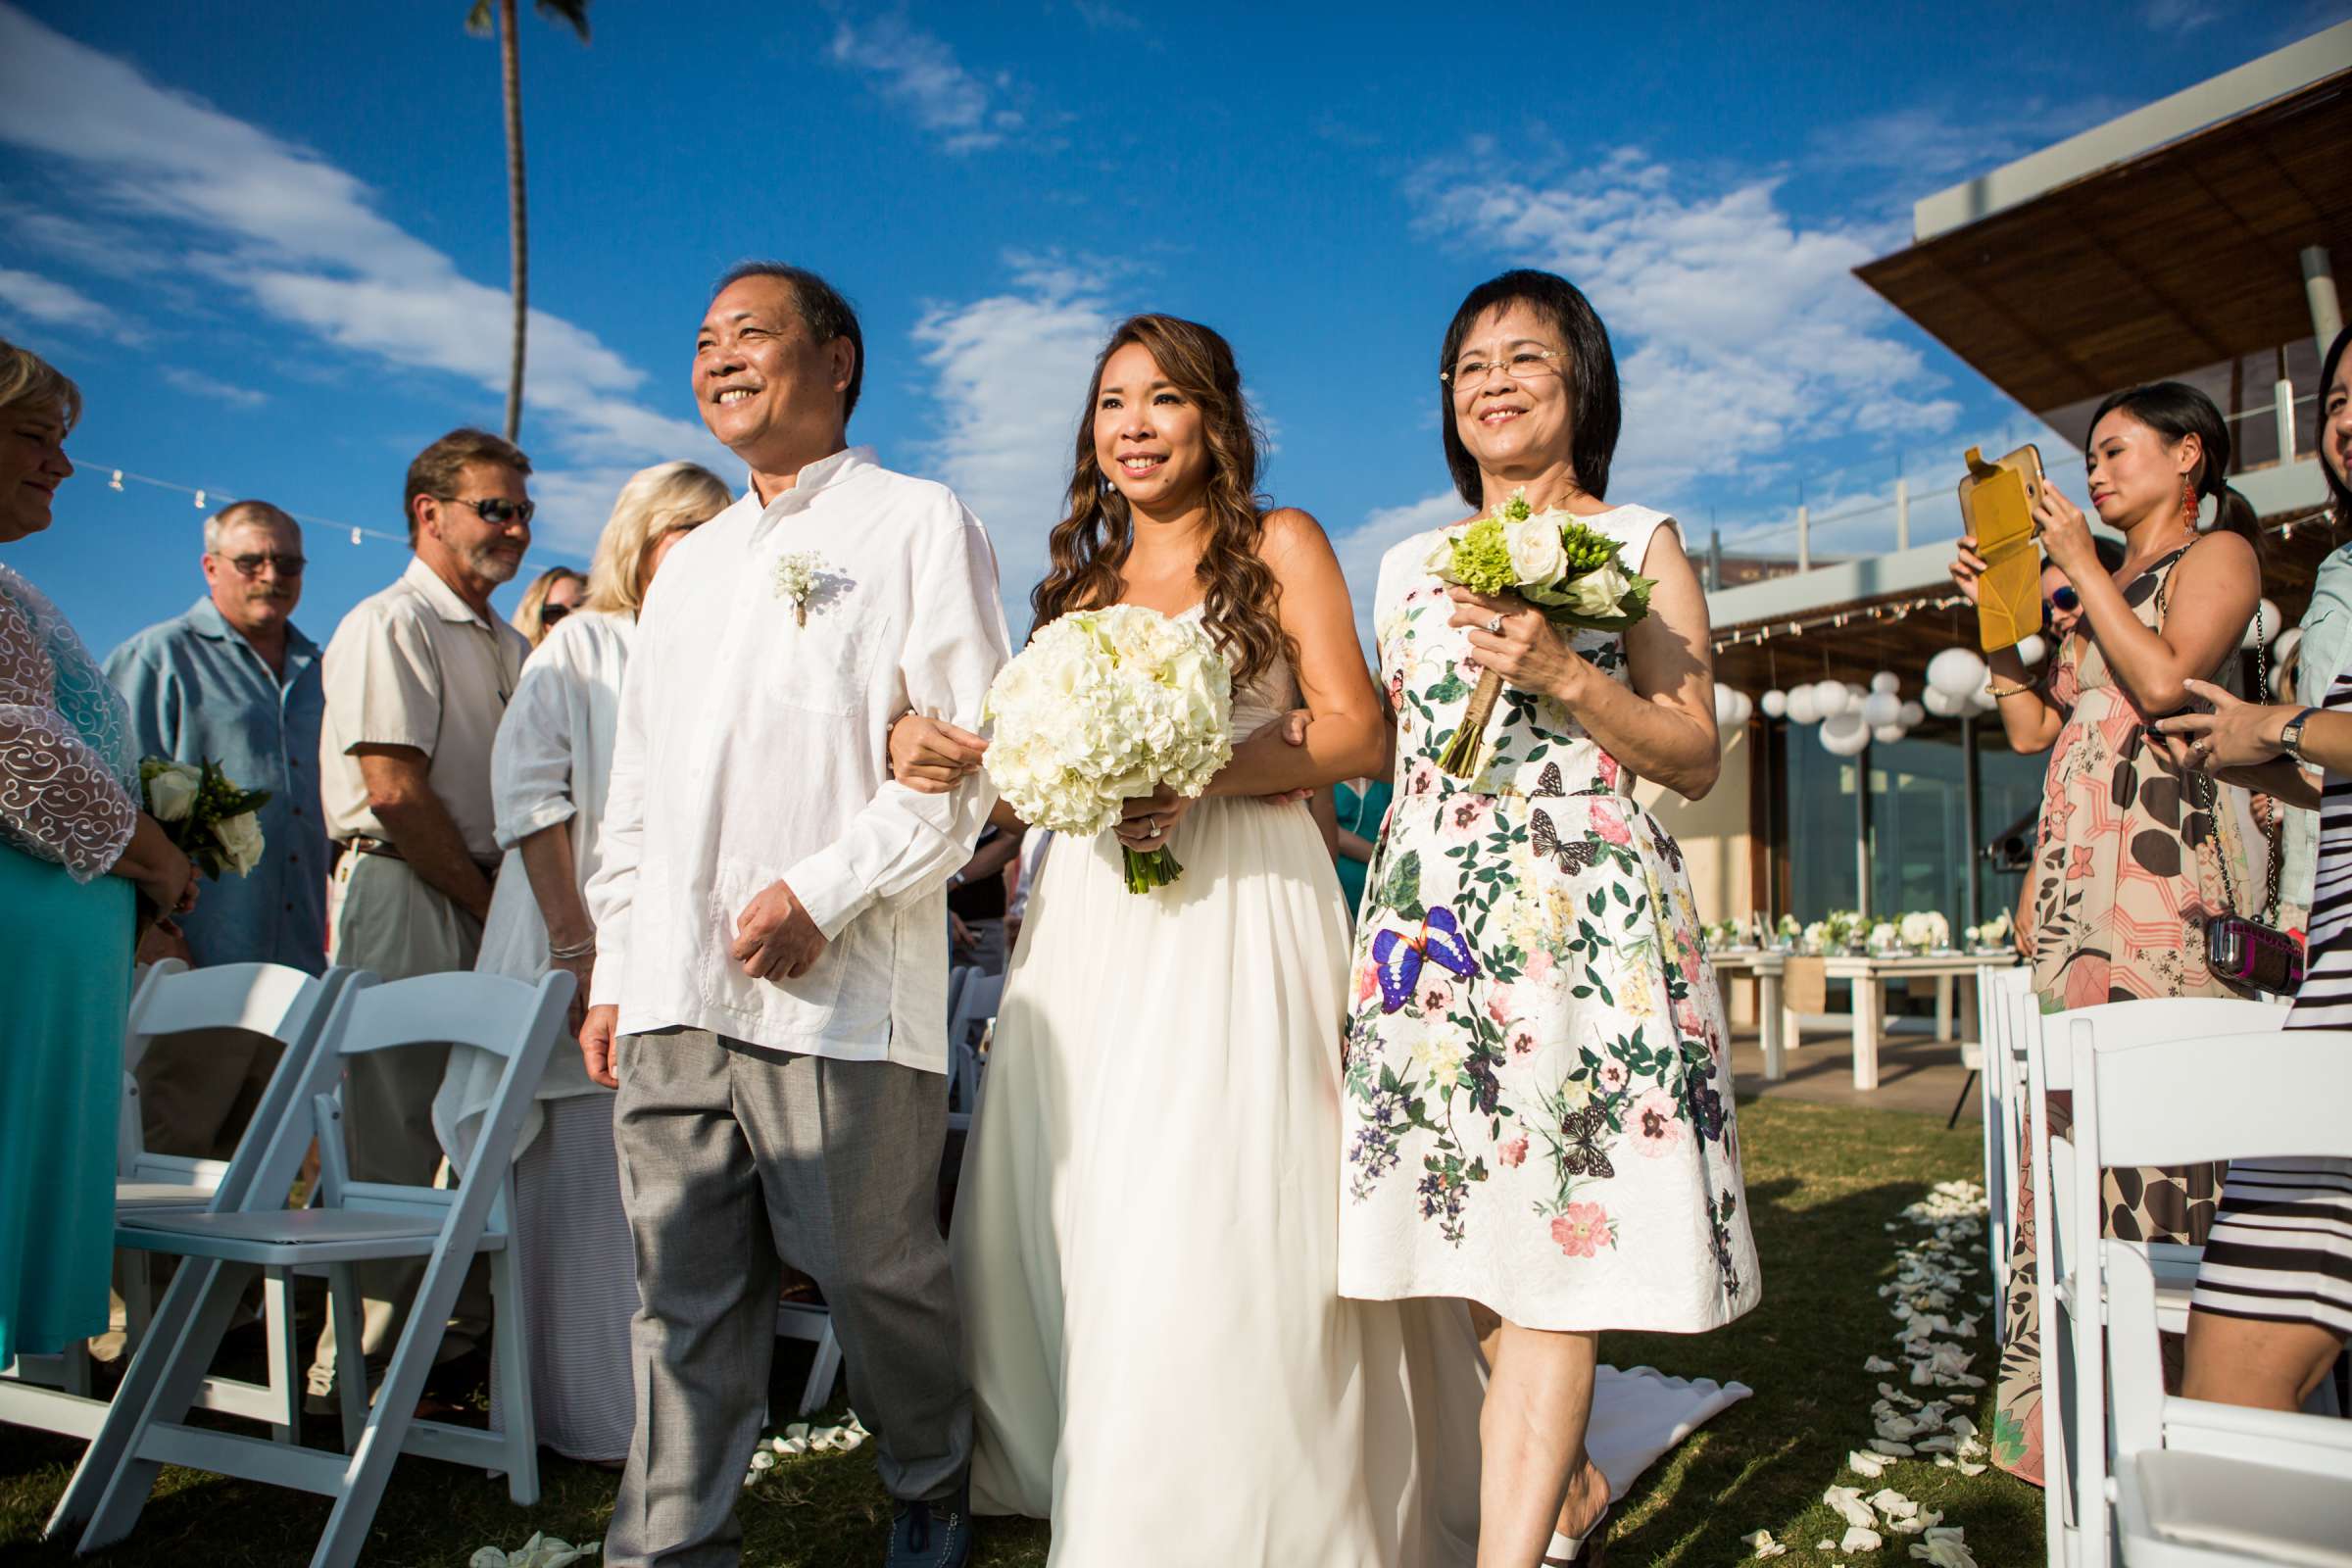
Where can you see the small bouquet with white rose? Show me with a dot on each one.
(1103, 706)
(208, 818)
(1574, 574)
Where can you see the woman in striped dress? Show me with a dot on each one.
(2273, 1300)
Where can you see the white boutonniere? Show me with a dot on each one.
(796, 579)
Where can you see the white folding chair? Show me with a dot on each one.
(975, 1009)
(2197, 1484)
(248, 1229)
(813, 1323)
(2067, 1215)
(265, 999)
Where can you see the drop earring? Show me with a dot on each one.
(2189, 503)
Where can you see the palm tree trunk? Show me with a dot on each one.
(519, 233)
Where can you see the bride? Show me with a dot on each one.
(1147, 1242)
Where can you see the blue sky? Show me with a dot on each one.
(273, 251)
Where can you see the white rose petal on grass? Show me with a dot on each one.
(1868, 1465)
(1945, 1549)
(1878, 1363)
(1849, 1507)
(1860, 1538)
(1900, 1451)
(1763, 1545)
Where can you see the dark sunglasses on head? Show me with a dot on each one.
(498, 510)
(251, 565)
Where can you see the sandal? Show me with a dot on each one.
(1592, 1548)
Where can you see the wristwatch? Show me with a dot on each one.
(2291, 738)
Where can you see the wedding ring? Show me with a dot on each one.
(1495, 627)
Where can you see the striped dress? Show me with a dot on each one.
(2282, 1241)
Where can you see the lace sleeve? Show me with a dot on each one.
(64, 766)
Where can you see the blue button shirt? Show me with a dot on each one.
(199, 692)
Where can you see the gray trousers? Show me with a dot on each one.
(733, 1160)
(383, 917)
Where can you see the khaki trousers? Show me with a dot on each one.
(382, 917)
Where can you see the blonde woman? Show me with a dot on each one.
(553, 595)
(549, 772)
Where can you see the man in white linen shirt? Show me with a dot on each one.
(771, 990)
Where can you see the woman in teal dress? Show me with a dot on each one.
(1364, 806)
(73, 848)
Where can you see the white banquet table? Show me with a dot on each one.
(1869, 974)
(1767, 967)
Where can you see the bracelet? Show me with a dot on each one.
(578, 950)
(2014, 691)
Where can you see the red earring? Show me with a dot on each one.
(2188, 502)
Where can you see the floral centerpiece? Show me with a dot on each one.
(1884, 938)
(1993, 933)
(1925, 931)
(206, 815)
(1103, 706)
(1791, 933)
(1574, 574)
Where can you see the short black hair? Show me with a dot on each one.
(2339, 493)
(1593, 402)
(823, 311)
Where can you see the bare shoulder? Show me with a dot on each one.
(2223, 550)
(1286, 532)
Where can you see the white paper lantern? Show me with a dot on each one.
(1845, 735)
(1881, 709)
(2264, 625)
(1887, 734)
(2288, 641)
(1775, 704)
(1911, 715)
(1723, 706)
(1831, 698)
(1804, 706)
(1885, 680)
(2032, 648)
(1940, 703)
(1956, 671)
(1855, 691)
(1744, 707)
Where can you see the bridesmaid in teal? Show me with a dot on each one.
(73, 848)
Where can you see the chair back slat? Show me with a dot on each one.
(2159, 1020)
(489, 1012)
(2145, 1107)
(265, 999)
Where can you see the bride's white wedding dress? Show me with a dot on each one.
(1146, 1238)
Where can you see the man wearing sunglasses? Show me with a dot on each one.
(234, 682)
(416, 679)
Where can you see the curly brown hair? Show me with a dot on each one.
(1240, 592)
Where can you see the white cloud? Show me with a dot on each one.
(2181, 17)
(51, 303)
(305, 242)
(1739, 330)
(917, 71)
(1360, 548)
(197, 384)
(1011, 370)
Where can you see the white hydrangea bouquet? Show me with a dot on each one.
(1993, 933)
(1574, 573)
(1104, 705)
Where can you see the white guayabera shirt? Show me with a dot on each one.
(754, 749)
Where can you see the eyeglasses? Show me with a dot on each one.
(549, 615)
(498, 510)
(251, 565)
(2065, 601)
(1523, 365)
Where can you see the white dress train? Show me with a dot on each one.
(1146, 1240)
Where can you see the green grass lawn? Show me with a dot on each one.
(1823, 1184)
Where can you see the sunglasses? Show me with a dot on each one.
(251, 565)
(549, 615)
(498, 510)
(2064, 600)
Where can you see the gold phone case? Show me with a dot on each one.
(1996, 509)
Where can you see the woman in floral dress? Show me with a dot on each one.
(1538, 1096)
(2133, 861)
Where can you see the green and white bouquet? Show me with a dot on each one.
(1993, 933)
(206, 814)
(1104, 705)
(1574, 574)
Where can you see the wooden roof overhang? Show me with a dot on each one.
(2182, 255)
